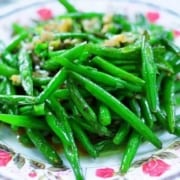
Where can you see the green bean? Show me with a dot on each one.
(131, 51)
(55, 82)
(85, 110)
(83, 57)
(105, 145)
(83, 107)
(62, 129)
(7, 57)
(83, 139)
(25, 69)
(172, 46)
(39, 81)
(17, 28)
(36, 110)
(165, 66)
(84, 36)
(69, 7)
(102, 131)
(104, 115)
(177, 86)
(6, 87)
(17, 99)
(98, 76)
(10, 59)
(81, 15)
(44, 147)
(177, 126)
(16, 41)
(6, 70)
(118, 108)
(23, 121)
(118, 72)
(146, 112)
(130, 68)
(169, 102)
(149, 74)
(119, 63)
(121, 134)
(133, 142)
(56, 53)
(130, 151)
(177, 99)
(70, 54)
(62, 94)
(24, 139)
(161, 117)
(123, 21)
(134, 106)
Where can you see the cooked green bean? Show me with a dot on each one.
(129, 52)
(119, 108)
(23, 121)
(16, 41)
(83, 138)
(98, 76)
(69, 7)
(62, 94)
(6, 70)
(112, 69)
(25, 69)
(81, 15)
(130, 151)
(83, 107)
(169, 102)
(84, 36)
(36, 110)
(104, 115)
(17, 99)
(70, 54)
(62, 129)
(55, 82)
(44, 147)
(121, 134)
(146, 112)
(149, 74)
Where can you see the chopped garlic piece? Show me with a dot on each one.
(16, 79)
(107, 18)
(116, 40)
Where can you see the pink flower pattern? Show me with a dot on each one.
(176, 33)
(152, 16)
(5, 157)
(105, 172)
(32, 174)
(155, 167)
(45, 13)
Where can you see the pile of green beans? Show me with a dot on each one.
(85, 85)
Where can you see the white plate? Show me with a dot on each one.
(16, 160)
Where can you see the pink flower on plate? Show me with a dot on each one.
(45, 13)
(155, 167)
(32, 174)
(152, 16)
(105, 172)
(176, 33)
(5, 157)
